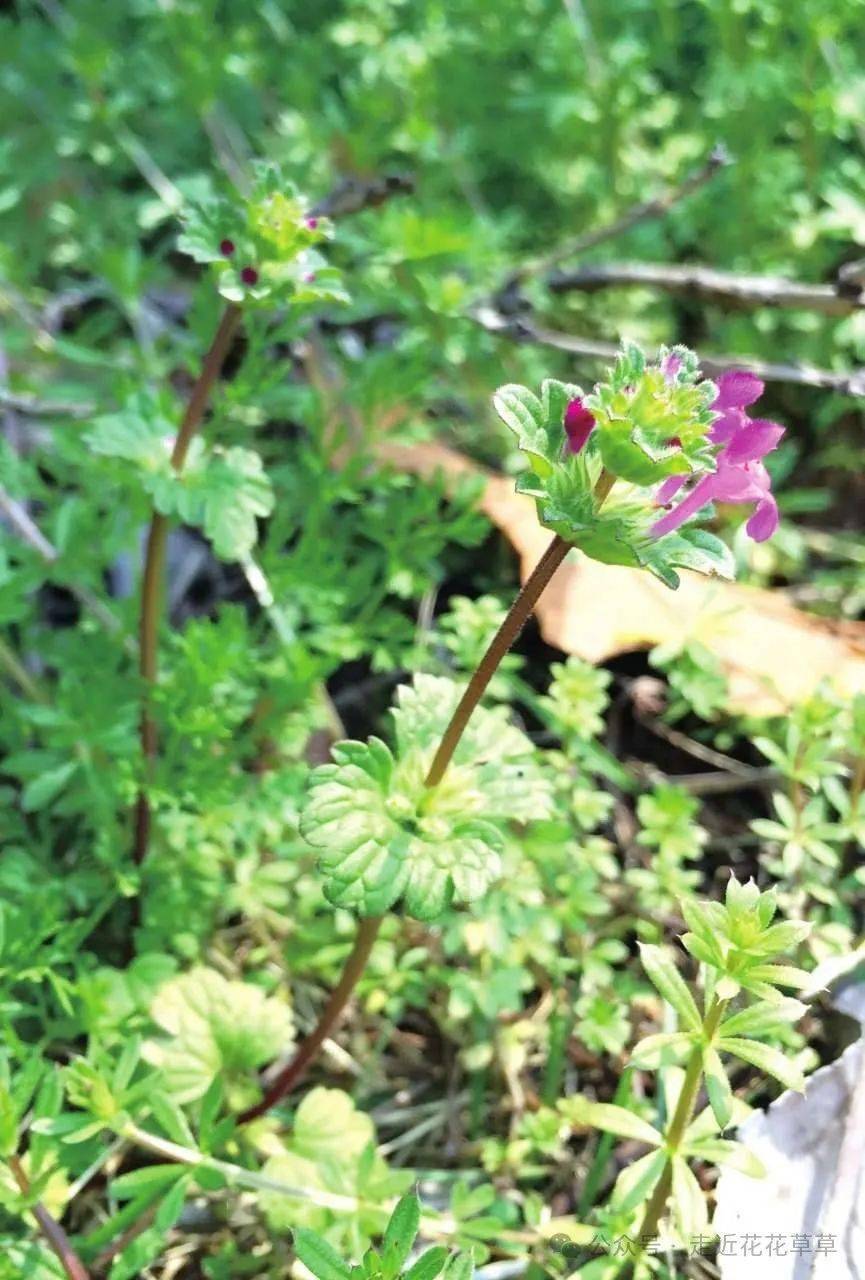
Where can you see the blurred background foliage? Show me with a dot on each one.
(522, 122)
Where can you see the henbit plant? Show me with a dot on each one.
(735, 945)
(263, 254)
(418, 825)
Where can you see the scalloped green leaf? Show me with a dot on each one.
(523, 413)
(215, 1028)
(652, 423)
(235, 491)
(331, 1149)
(383, 836)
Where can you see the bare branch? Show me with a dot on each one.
(353, 194)
(646, 210)
(725, 288)
(850, 382)
(33, 407)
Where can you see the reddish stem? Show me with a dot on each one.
(54, 1234)
(154, 565)
(330, 1019)
(507, 633)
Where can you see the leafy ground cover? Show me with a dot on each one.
(416, 1004)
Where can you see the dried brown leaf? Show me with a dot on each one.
(774, 655)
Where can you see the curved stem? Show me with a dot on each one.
(330, 1019)
(54, 1234)
(507, 633)
(154, 564)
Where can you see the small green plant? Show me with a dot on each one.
(674, 838)
(735, 944)
(388, 1262)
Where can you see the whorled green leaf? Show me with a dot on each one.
(656, 1051)
(637, 1181)
(429, 1265)
(688, 1204)
(664, 975)
(400, 1235)
(611, 1119)
(319, 1257)
(766, 1058)
(718, 1087)
(382, 835)
(763, 1018)
(724, 1151)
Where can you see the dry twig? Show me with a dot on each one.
(725, 288)
(850, 382)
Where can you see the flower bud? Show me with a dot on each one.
(578, 425)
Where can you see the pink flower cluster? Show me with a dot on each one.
(741, 475)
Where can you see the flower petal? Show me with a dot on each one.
(669, 489)
(764, 521)
(754, 441)
(702, 493)
(670, 365)
(737, 389)
(578, 425)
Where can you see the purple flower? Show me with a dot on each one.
(311, 223)
(740, 475)
(578, 425)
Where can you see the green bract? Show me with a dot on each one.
(384, 836)
(652, 420)
(271, 233)
(618, 530)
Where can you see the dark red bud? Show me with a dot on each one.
(249, 275)
(312, 223)
(226, 248)
(578, 425)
